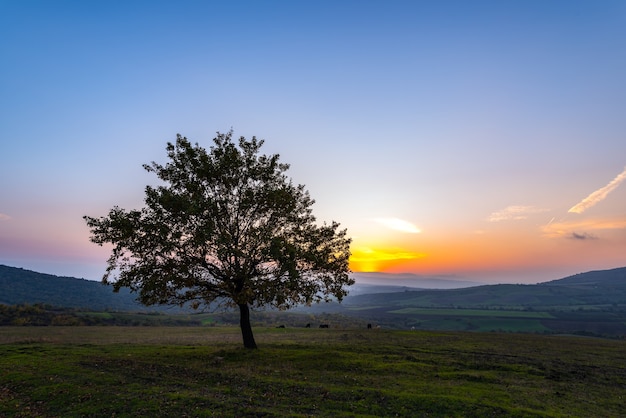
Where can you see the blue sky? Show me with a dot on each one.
(477, 124)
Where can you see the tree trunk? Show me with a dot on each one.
(246, 328)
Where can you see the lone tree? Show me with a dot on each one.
(226, 225)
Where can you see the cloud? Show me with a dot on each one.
(568, 229)
(599, 194)
(398, 225)
(514, 212)
(583, 236)
(4, 217)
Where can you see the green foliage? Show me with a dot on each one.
(25, 315)
(307, 372)
(45, 315)
(226, 225)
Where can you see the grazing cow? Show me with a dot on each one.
(280, 326)
(307, 326)
(323, 325)
(369, 326)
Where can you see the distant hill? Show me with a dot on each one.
(20, 286)
(604, 287)
(603, 278)
(597, 288)
(407, 280)
(592, 303)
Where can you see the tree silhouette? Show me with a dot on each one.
(226, 225)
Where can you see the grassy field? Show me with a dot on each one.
(473, 312)
(298, 372)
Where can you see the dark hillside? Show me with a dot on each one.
(605, 278)
(20, 286)
(607, 287)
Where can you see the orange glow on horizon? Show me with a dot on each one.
(366, 259)
(493, 251)
(459, 254)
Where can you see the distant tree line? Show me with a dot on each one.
(37, 315)
(47, 315)
(40, 314)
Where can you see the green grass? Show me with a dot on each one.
(473, 312)
(506, 325)
(176, 371)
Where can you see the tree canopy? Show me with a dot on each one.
(225, 225)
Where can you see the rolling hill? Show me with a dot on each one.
(20, 286)
(604, 288)
(592, 303)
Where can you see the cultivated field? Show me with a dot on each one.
(203, 371)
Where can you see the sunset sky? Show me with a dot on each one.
(479, 140)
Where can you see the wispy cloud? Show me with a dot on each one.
(515, 213)
(569, 229)
(398, 225)
(4, 217)
(599, 194)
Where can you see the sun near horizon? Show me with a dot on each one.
(369, 260)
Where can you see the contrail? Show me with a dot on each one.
(599, 194)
